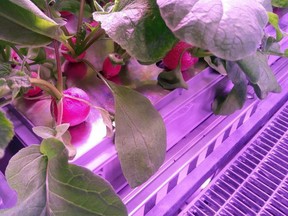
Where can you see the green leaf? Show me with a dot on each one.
(36, 54)
(217, 64)
(270, 45)
(44, 132)
(139, 29)
(72, 6)
(229, 29)
(16, 81)
(172, 79)
(237, 96)
(140, 135)
(274, 21)
(61, 129)
(5, 69)
(259, 74)
(266, 4)
(280, 3)
(6, 133)
(28, 25)
(48, 185)
(4, 88)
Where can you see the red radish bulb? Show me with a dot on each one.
(68, 56)
(65, 14)
(172, 57)
(110, 69)
(74, 111)
(75, 70)
(35, 90)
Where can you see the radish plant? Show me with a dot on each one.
(55, 37)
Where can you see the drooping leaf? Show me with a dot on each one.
(23, 23)
(172, 79)
(217, 64)
(48, 185)
(6, 132)
(139, 29)
(140, 135)
(274, 21)
(259, 74)
(270, 45)
(280, 3)
(229, 29)
(237, 96)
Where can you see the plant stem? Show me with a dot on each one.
(97, 72)
(53, 90)
(81, 12)
(21, 56)
(98, 34)
(59, 83)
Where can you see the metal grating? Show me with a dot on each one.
(256, 181)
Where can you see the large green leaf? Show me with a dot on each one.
(140, 135)
(6, 133)
(47, 185)
(237, 96)
(229, 29)
(23, 23)
(280, 3)
(259, 74)
(139, 29)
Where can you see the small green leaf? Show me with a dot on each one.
(107, 121)
(6, 133)
(138, 28)
(28, 25)
(217, 64)
(4, 88)
(280, 3)
(237, 96)
(274, 21)
(44, 132)
(36, 54)
(259, 74)
(140, 135)
(16, 81)
(48, 185)
(231, 30)
(270, 44)
(61, 129)
(5, 69)
(172, 79)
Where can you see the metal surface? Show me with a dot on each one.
(256, 181)
(210, 158)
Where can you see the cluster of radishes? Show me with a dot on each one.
(75, 102)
